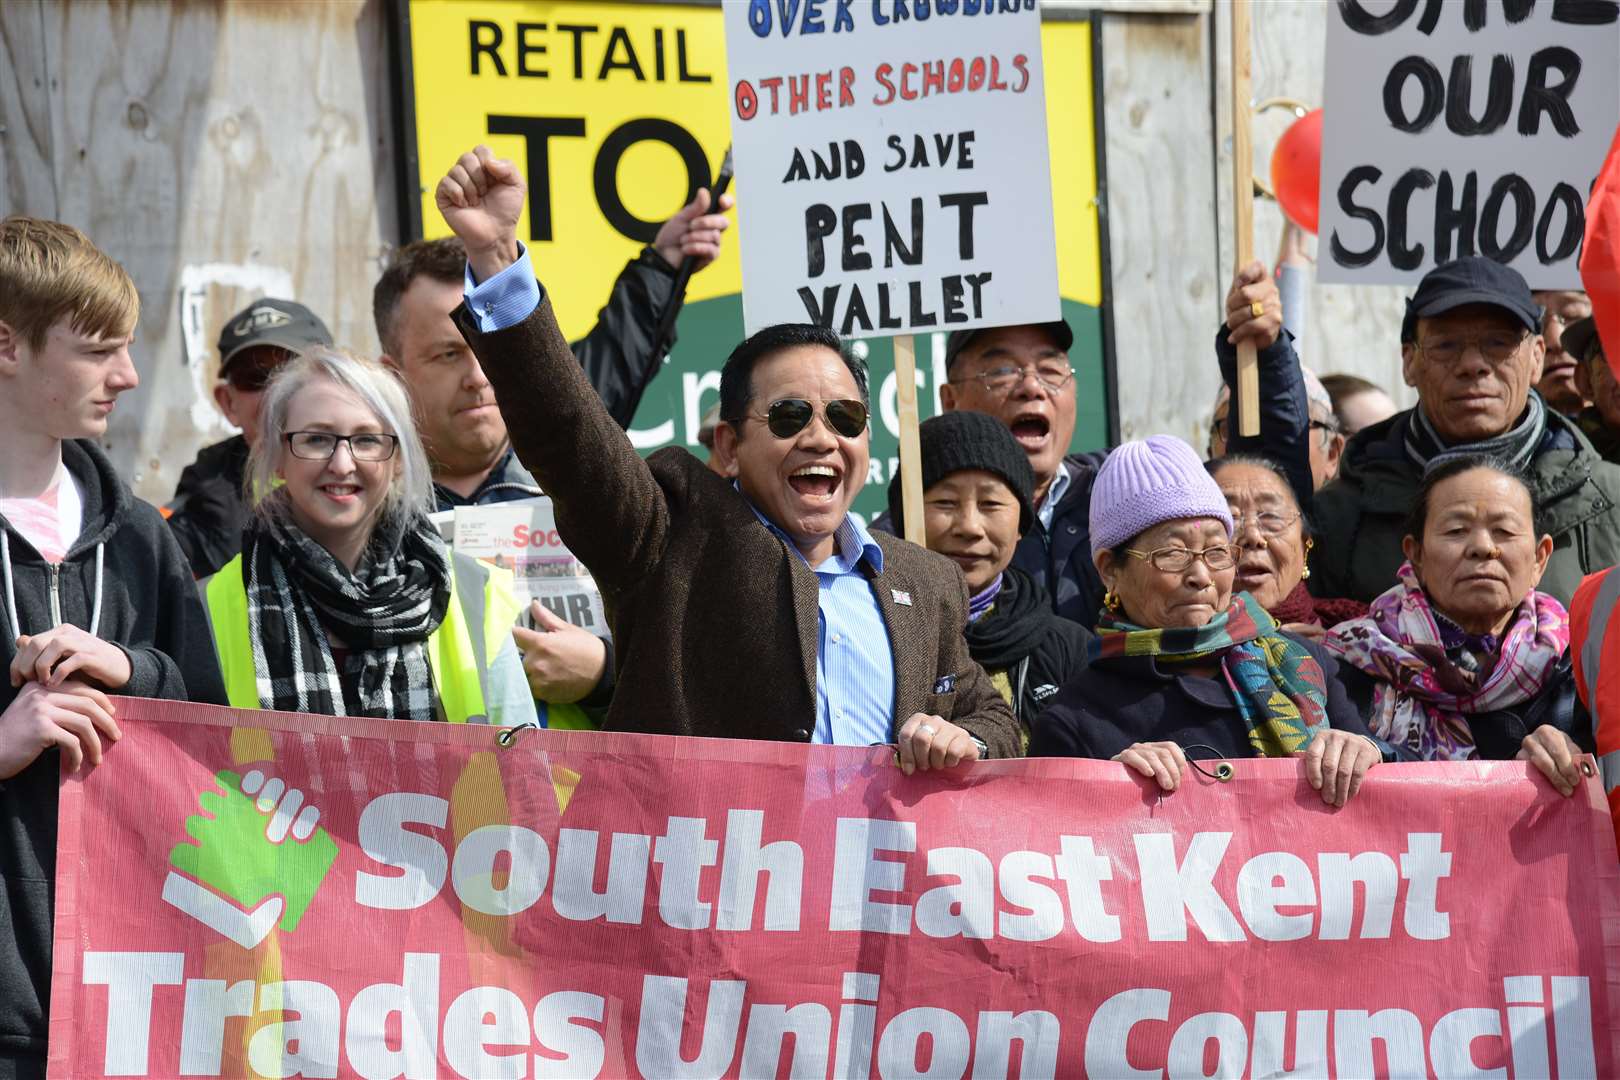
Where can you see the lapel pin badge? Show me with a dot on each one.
(901, 597)
(945, 685)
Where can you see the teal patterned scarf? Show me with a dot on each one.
(1279, 687)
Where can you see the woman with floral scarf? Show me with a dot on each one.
(1181, 665)
(1463, 658)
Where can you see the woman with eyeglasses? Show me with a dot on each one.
(1272, 543)
(345, 600)
(1463, 658)
(1182, 667)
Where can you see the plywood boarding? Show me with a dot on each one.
(1353, 329)
(1161, 214)
(221, 152)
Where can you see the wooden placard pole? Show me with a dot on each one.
(1248, 364)
(911, 491)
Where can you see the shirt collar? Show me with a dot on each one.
(851, 543)
(1054, 495)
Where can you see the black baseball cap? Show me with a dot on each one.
(961, 339)
(271, 322)
(1581, 338)
(1471, 280)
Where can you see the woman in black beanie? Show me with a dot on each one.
(977, 503)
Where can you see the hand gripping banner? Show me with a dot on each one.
(248, 894)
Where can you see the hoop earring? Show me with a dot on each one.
(1305, 573)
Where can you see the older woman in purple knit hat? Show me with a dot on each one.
(1180, 665)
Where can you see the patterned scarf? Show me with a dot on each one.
(383, 611)
(1425, 692)
(1279, 687)
(1517, 445)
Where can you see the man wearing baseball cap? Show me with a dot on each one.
(207, 511)
(1472, 348)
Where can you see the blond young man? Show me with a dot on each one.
(97, 597)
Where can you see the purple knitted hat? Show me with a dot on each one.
(1147, 482)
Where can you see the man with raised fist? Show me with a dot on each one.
(744, 605)
(465, 435)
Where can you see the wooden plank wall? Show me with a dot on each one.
(1354, 329)
(221, 152)
(1161, 220)
(225, 151)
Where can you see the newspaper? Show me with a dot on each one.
(522, 537)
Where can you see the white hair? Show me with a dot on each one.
(379, 389)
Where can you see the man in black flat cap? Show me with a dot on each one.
(1472, 348)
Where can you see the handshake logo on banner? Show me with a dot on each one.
(256, 859)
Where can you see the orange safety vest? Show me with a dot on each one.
(1596, 654)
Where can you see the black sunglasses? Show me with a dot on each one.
(788, 417)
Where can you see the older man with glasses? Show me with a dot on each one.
(1022, 376)
(207, 512)
(1472, 348)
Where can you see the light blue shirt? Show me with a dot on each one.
(1054, 494)
(507, 298)
(854, 660)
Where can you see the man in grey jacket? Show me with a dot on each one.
(1471, 346)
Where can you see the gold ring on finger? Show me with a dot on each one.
(1257, 309)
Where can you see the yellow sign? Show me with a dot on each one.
(617, 112)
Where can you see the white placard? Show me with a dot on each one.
(1451, 129)
(892, 166)
(522, 537)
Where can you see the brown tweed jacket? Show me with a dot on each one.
(714, 621)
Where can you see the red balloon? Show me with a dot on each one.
(1296, 170)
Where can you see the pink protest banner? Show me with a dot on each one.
(581, 904)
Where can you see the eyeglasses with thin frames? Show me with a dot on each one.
(1269, 522)
(1173, 560)
(1496, 346)
(1052, 375)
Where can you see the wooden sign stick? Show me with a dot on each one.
(911, 491)
(1247, 401)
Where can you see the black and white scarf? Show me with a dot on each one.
(1516, 446)
(383, 611)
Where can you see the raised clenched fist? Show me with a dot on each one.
(481, 198)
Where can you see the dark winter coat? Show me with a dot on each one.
(1499, 734)
(1360, 518)
(1028, 651)
(207, 512)
(149, 608)
(1120, 700)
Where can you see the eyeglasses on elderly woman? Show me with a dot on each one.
(1175, 559)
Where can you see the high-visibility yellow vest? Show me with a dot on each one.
(480, 595)
(1594, 646)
